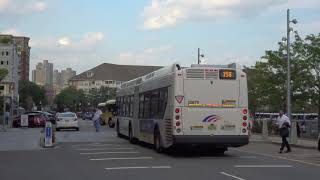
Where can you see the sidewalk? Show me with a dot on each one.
(302, 143)
(20, 139)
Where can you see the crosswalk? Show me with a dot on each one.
(117, 156)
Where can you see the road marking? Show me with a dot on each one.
(115, 152)
(102, 149)
(263, 166)
(226, 157)
(124, 158)
(230, 175)
(139, 167)
(278, 157)
(98, 145)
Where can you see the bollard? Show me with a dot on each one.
(293, 133)
(265, 129)
(48, 135)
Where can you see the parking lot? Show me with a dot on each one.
(90, 155)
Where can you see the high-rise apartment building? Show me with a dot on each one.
(43, 74)
(9, 59)
(23, 50)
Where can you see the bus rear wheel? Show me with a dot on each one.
(157, 141)
(118, 129)
(132, 140)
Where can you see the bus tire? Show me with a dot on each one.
(132, 140)
(110, 123)
(157, 141)
(118, 129)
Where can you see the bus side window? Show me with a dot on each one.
(141, 105)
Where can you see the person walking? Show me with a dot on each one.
(284, 123)
(96, 119)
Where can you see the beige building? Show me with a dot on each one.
(61, 79)
(109, 75)
(43, 74)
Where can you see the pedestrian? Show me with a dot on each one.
(96, 119)
(284, 123)
(7, 115)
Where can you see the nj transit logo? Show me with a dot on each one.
(212, 118)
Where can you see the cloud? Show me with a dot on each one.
(166, 13)
(64, 41)
(93, 37)
(149, 56)
(11, 8)
(39, 6)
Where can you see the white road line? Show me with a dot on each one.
(226, 158)
(124, 158)
(230, 175)
(277, 157)
(115, 152)
(97, 145)
(102, 149)
(139, 167)
(263, 166)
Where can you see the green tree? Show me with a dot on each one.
(70, 98)
(267, 80)
(3, 73)
(312, 56)
(30, 93)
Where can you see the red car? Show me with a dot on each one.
(34, 120)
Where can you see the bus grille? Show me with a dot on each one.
(202, 74)
(168, 131)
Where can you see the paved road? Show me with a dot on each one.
(90, 155)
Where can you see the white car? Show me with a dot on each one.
(67, 120)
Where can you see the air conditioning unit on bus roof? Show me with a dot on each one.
(232, 66)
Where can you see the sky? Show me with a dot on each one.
(83, 34)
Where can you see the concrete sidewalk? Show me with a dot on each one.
(20, 139)
(302, 143)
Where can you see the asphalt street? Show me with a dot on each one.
(90, 155)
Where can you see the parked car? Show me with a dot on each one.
(67, 120)
(88, 115)
(34, 120)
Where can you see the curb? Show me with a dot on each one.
(278, 143)
(297, 146)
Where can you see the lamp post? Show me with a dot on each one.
(199, 56)
(294, 21)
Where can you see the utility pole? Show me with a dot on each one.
(288, 67)
(294, 21)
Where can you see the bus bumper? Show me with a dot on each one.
(218, 140)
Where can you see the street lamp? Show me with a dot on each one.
(199, 56)
(294, 21)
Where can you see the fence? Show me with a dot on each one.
(305, 128)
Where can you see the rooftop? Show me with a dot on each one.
(107, 71)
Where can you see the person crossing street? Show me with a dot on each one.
(284, 123)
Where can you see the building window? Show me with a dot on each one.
(7, 62)
(2, 53)
(7, 53)
(1, 62)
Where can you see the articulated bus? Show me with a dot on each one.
(199, 105)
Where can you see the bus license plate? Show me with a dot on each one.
(196, 127)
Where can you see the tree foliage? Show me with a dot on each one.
(30, 93)
(3, 73)
(267, 80)
(70, 98)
